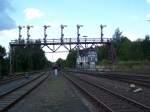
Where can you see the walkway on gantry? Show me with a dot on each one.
(68, 43)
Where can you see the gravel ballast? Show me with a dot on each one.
(54, 95)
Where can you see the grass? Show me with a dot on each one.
(128, 66)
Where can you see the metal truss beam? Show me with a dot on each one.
(84, 42)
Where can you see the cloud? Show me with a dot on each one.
(32, 13)
(6, 21)
(148, 1)
(130, 35)
(6, 36)
(147, 17)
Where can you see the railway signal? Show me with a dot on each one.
(28, 32)
(62, 34)
(20, 28)
(101, 27)
(45, 34)
(78, 34)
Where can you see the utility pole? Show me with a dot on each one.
(10, 60)
(45, 34)
(0, 65)
(101, 27)
(28, 32)
(20, 28)
(62, 34)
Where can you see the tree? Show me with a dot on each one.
(102, 53)
(117, 37)
(2, 52)
(71, 59)
(124, 49)
(29, 57)
(4, 62)
(135, 51)
(60, 62)
(146, 47)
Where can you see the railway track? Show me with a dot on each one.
(11, 97)
(140, 80)
(4, 81)
(15, 77)
(107, 100)
(143, 80)
(12, 86)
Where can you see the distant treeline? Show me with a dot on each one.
(4, 61)
(125, 49)
(26, 58)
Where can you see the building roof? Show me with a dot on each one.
(84, 52)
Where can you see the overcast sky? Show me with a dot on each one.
(129, 15)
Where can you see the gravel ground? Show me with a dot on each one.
(122, 88)
(54, 95)
(14, 84)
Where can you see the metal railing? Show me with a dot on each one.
(58, 41)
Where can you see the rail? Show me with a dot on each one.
(116, 101)
(10, 98)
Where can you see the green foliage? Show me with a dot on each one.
(102, 52)
(135, 51)
(146, 47)
(60, 62)
(71, 59)
(125, 49)
(117, 36)
(2, 52)
(106, 62)
(4, 62)
(133, 66)
(29, 57)
(5, 67)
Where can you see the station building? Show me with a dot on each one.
(86, 58)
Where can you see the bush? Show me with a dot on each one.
(106, 62)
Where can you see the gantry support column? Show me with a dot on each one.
(10, 60)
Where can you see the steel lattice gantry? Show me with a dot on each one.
(67, 43)
(55, 44)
